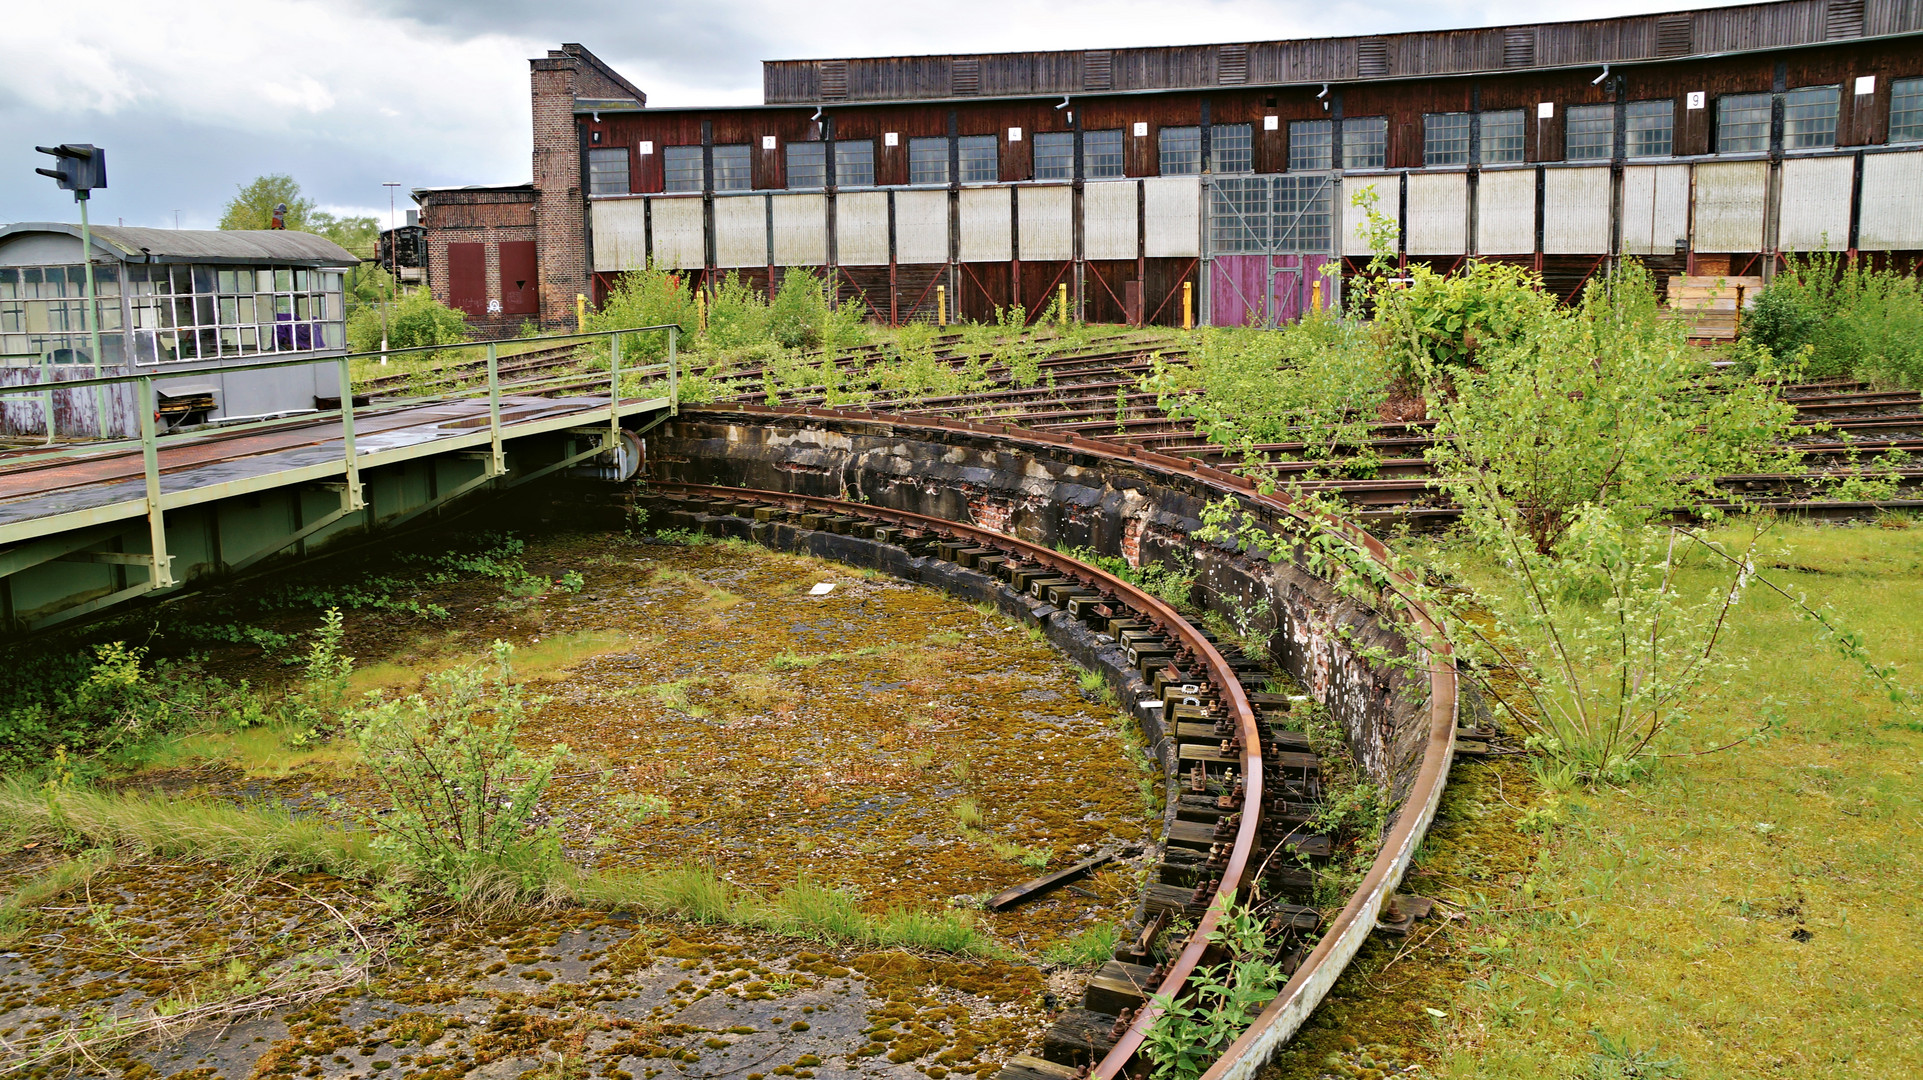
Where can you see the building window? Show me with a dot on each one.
(1232, 148)
(1309, 142)
(1906, 110)
(731, 171)
(1590, 134)
(1502, 136)
(855, 163)
(928, 161)
(1181, 150)
(205, 312)
(1809, 117)
(608, 171)
(807, 165)
(1365, 142)
(1102, 155)
(980, 159)
(1445, 138)
(1649, 128)
(681, 167)
(1742, 124)
(1055, 155)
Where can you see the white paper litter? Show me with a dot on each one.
(822, 588)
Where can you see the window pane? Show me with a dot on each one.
(681, 167)
(1055, 155)
(1502, 136)
(1232, 148)
(1304, 213)
(1445, 139)
(1102, 155)
(1809, 117)
(1906, 110)
(980, 163)
(1742, 124)
(1365, 142)
(1181, 149)
(1649, 128)
(1239, 220)
(731, 168)
(608, 171)
(928, 161)
(1309, 142)
(855, 163)
(1591, 133)
(807, 165)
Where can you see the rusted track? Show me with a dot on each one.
(1343, 936)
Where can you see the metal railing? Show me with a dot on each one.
(150, 440)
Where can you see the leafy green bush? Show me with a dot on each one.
(649, 297)
(415, 319)
(1853, 319)
(109, 697)
(1443, 321)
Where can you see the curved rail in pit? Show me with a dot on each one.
(1344, 935)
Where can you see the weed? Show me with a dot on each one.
(1095, 945)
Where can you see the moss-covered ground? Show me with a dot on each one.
(723, 712)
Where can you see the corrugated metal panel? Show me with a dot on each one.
(741, 230)
(1506, 212)
(1892, 215)
(1655, 208)
(801, 230)
(1729, 205)
(1815, 213)
(1438, 214)
(921, 227)
(1108, 220)
(1173, 219)
(1575, 212)
(678, 239)
(861, 229)
(1387, 196)
(1047, 231)
(620, 234)
(986, 227)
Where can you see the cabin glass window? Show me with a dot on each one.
(980, 159)
(1906, 110)
(731, 169)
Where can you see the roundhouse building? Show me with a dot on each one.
(1225, 176)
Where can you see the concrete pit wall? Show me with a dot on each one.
(1067, 498)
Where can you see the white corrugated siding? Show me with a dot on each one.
(1816, 204)
(741, 230)
(1388, 195)
(1892, 214)
(1729, 205)
(1506, 212)
(921, 227)
(801, 230)
(1174, 217)
(620, 235)
(678, 242)
(1438, 213)
(1108, 220)
(861, 229)
(987, 232)
(1575, 211)
(1045, 223)
(1655, 208)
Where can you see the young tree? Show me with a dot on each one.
(252, 207)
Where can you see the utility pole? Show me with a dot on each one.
(79, 168)
(393, 260)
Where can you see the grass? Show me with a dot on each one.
(1095, 945)
(262, 840)
(1744, 912)
(265, 750)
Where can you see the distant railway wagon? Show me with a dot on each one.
(1219, 183)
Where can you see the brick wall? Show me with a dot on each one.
(487, 216)
(560, 209)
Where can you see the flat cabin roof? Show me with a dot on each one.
(233, 247)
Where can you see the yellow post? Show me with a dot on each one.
(1188, 305)
(701, 309)
(1315, 295)
(580, 313)
(1061, 297)
(941, 305)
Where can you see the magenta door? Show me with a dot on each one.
(1262, 290)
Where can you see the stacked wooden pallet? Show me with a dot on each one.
(1713, 305)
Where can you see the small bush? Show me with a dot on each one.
(415, 319)
(649, 297)
(1849, 318)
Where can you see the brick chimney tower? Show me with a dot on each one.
(559, 79)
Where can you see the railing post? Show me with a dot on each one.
(161, 574)
(46, 396)
(497, 461)
(353, 476)
(674, 371)
(614, 393)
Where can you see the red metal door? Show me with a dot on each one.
(519, 292)
(467, 278)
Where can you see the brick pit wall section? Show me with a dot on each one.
(485, 216)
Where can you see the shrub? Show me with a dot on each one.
(737, 315)
(1442, 321)
(1853, 319)
(649, 297)
(415, 319)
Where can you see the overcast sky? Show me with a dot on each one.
(194, 98)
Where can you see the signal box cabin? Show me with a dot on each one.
(1706, 142)
(182, 305)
